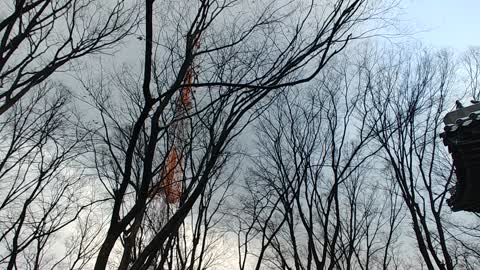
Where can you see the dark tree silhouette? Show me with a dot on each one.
(39, 37)
(40, 193)
(412, 94)
(311, 202)
(240, 58)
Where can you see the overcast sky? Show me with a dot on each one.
(446, 23)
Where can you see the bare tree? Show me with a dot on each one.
(40, 186)
(236, 56)
(199, 242)
(413, 93)
(310, 202)
(39, 37)
(239, 60)
(471, 66)
(41, 194)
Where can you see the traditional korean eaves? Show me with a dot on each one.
(462, 137)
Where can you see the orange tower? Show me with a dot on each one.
(173, 172)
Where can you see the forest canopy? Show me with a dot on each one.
(227, 134)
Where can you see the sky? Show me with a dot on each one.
(444, 23)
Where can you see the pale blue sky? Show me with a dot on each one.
(446, 23)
